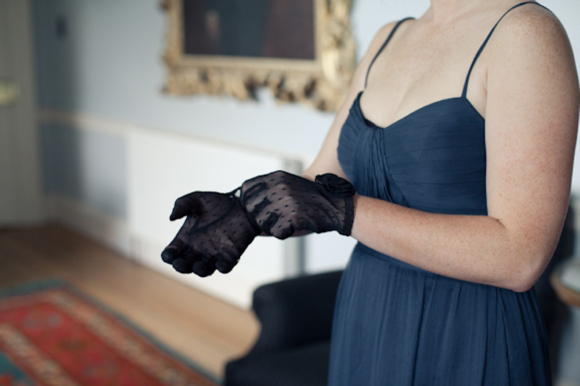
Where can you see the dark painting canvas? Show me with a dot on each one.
(250, 28)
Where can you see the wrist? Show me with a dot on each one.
(358, 207)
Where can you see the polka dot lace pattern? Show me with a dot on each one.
(281, 204)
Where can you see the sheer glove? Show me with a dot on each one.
(281, 203)
(214, 235)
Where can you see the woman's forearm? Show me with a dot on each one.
(474, 248)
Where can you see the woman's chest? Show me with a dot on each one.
(431, 159)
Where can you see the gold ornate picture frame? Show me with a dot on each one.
(319, 79)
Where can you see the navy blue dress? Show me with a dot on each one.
(396, 324)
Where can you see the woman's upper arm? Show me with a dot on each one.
(531, 128)
(327, 159)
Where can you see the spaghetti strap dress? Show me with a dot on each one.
(396, 324)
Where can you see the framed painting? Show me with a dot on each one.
(302, 50)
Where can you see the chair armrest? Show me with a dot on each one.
(547, 300)
(295, 311)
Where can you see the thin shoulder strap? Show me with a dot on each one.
(384, 45)
(464, 93)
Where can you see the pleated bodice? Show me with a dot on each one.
(432, 159)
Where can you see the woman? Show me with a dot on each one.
(461, 160)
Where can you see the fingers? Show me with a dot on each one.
(179, 210)
(225, 264)
(182, 265)
(283, 232)
(201, 267)
(267, 222)
(169, 254)
(173, 250)
(204, 268)
(178, 256)
(188, 205)
(273, 224)
(189, 261)
(252, 193)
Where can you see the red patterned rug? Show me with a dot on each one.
(52, 334)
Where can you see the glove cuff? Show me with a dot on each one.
(336, 186)
(348, 216)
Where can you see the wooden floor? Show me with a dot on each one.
(200, 327)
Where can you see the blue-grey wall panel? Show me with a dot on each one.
(87, 166)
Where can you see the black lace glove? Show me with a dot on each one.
(214, 235)
(281, 203)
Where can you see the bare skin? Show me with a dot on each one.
(525, 85)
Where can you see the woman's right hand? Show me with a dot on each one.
(214, 235)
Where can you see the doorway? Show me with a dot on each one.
(20, 186)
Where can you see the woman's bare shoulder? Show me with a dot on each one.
(386, 29)
(530, 46)
(531, 27)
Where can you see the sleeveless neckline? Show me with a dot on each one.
(432, 159)
(440, 102)
(422, 109)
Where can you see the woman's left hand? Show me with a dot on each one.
(280, 204)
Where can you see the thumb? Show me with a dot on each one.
(185, 206)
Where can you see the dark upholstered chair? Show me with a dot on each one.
(293, 346)
(296, 317)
